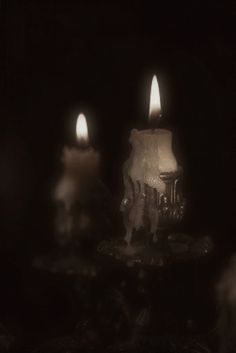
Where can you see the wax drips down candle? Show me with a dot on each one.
(81, 170)
(148, 193)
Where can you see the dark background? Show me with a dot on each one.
(62, 57)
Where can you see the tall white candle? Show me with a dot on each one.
(151, 156)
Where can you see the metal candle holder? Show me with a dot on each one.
(171, 205)
(169, 246)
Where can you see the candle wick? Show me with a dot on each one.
(82, 144)
(155, 122)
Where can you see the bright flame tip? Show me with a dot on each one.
(81, 128)
(155, 102)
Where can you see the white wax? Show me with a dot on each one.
(151, 155)
(65, 191)
(81, 160)
(81, 166)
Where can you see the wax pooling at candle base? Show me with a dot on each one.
(150, 157)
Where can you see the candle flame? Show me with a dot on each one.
(82, 129)
(155, 102)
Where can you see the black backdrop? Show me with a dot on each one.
(62, 57)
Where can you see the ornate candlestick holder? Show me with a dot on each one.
(153, 205)
(171, 205)
(165, 208)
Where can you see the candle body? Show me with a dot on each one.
(81, 170)
(151, 156)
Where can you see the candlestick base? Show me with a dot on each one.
(177, 248)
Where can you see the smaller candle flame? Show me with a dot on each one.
(82, 129)
(155, 102)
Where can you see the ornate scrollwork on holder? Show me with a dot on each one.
(171, 205)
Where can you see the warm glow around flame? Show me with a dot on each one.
(82, 129)
(155, 102)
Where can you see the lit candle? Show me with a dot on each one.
(151, 156)
(82, 159)
(81, 169)
(152, 149)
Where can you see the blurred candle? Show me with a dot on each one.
(81, 166)
(83, 158)
(82, 131)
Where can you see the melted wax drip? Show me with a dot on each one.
(140, 201)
